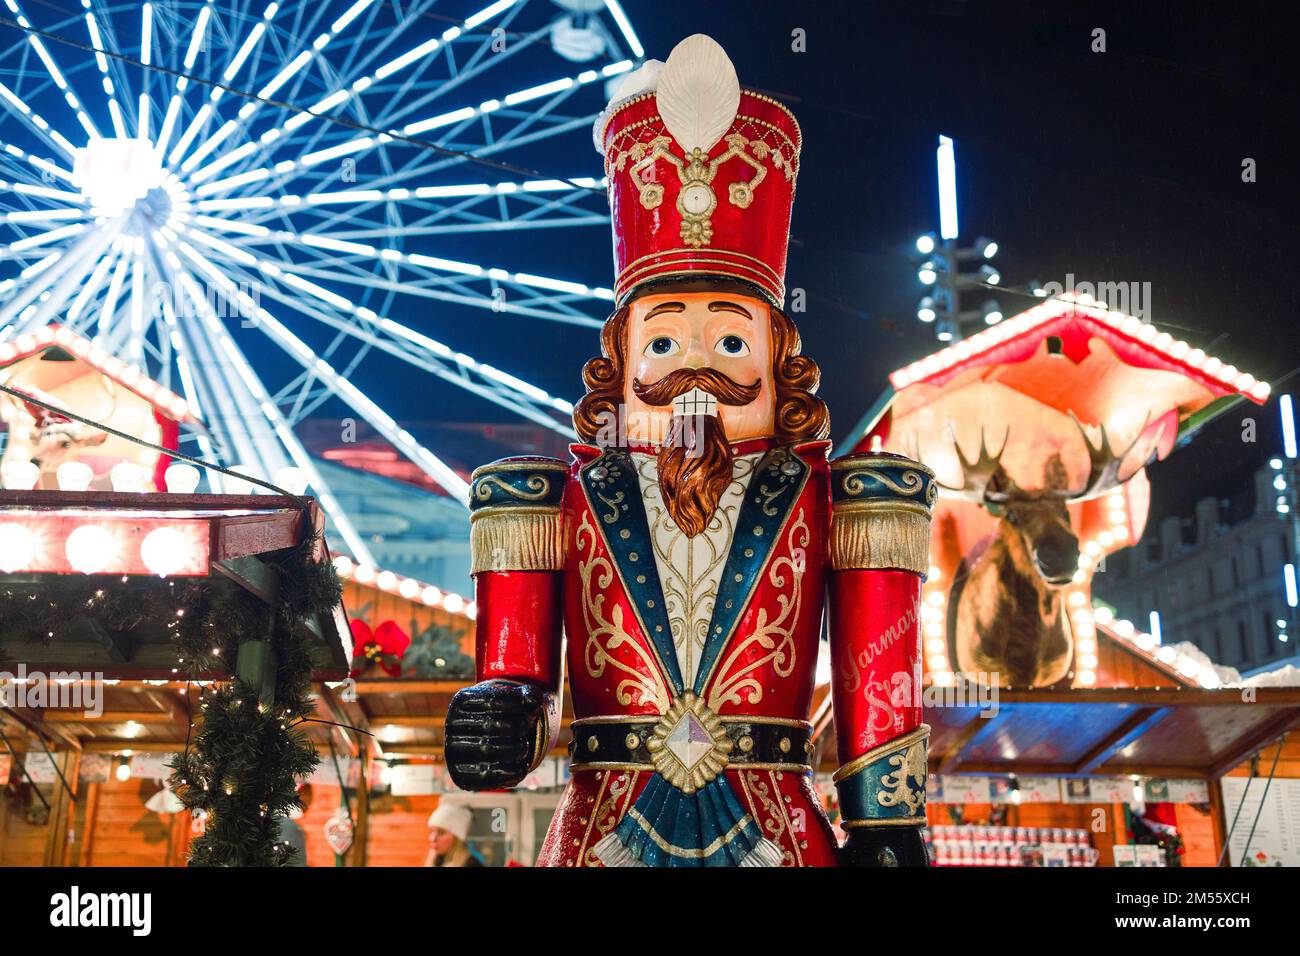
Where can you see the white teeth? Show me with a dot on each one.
(695, 402)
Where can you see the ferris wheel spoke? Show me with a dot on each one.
(492, 113)
(254, 391)
(110, 90)
(34, 121)
(288, 133)
(294, 347)
(427, 353)
(251, 42)
(52, 69)
(434, 357)
(82, 261)
(77, 261)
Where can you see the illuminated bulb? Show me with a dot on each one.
(936, 645)
(1077, 598)
(1120, 532)
(1088, 661)
(1088, 647)
(387, 580)
(934, 574)
(1166, 655)
(131, 729)
(18, 546)
(453, 603)
(292, 480)
(1118, 516)
(471, 610)
(431, 596)
(1079, 577)
(123, 771)
(241, 486)
(90, 548)
(164, 551)
(365, 573)
(1103, 615)
(182, 479)
(20, 475)
(935, 599)
(1124, 628)
(1146, 641)
(409, 588)
(1106, 539)
(74, 476)
(1087, 678)
(343, 565)
(130, 477)
(1092, 548)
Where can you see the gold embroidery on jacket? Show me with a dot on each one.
(776, 636)
(607, 634)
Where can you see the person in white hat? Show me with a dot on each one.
(448, 833)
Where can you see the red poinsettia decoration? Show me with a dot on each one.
(384, 646)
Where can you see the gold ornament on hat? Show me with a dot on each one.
(698, 96)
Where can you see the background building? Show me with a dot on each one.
(1216, 577)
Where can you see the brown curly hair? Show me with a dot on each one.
(800, 414)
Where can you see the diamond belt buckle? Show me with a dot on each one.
(689, 745)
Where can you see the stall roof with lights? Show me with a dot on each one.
(223, 539)
(55, 367)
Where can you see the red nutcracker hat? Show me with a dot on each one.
(701, 174)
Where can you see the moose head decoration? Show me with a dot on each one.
(1006, 610)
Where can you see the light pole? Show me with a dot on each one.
(946, 268)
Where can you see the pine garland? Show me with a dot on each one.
(242, 769)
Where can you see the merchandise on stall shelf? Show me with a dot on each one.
(1010, 846)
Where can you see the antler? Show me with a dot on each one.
(978, 474)
(1103, 463)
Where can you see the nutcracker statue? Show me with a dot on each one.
(687, 551)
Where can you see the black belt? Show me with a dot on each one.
(600, 741)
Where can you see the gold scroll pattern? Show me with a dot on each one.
(607, 633)
(775, 636)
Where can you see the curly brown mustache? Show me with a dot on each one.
(721, 386)
(695, 469)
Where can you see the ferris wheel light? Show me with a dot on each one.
(925, 244)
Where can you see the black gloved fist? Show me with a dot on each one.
(884, 846)
(497, 732)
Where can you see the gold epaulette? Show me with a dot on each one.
(516, 520)
(880, 512)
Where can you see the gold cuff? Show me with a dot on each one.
(506, 538)
(867, 535)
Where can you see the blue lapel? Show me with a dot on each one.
(774, 487)
(614, 494)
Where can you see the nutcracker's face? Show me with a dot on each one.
(699, 353)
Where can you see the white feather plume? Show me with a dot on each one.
(698, 93)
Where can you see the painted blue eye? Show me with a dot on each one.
(731, 345)
(661, 346)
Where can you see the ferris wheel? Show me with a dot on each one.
(216, 193)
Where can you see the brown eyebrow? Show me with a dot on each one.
(666, 307)
(725, 306)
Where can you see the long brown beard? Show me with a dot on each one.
(695, 460)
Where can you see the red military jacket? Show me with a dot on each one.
(567, 550)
